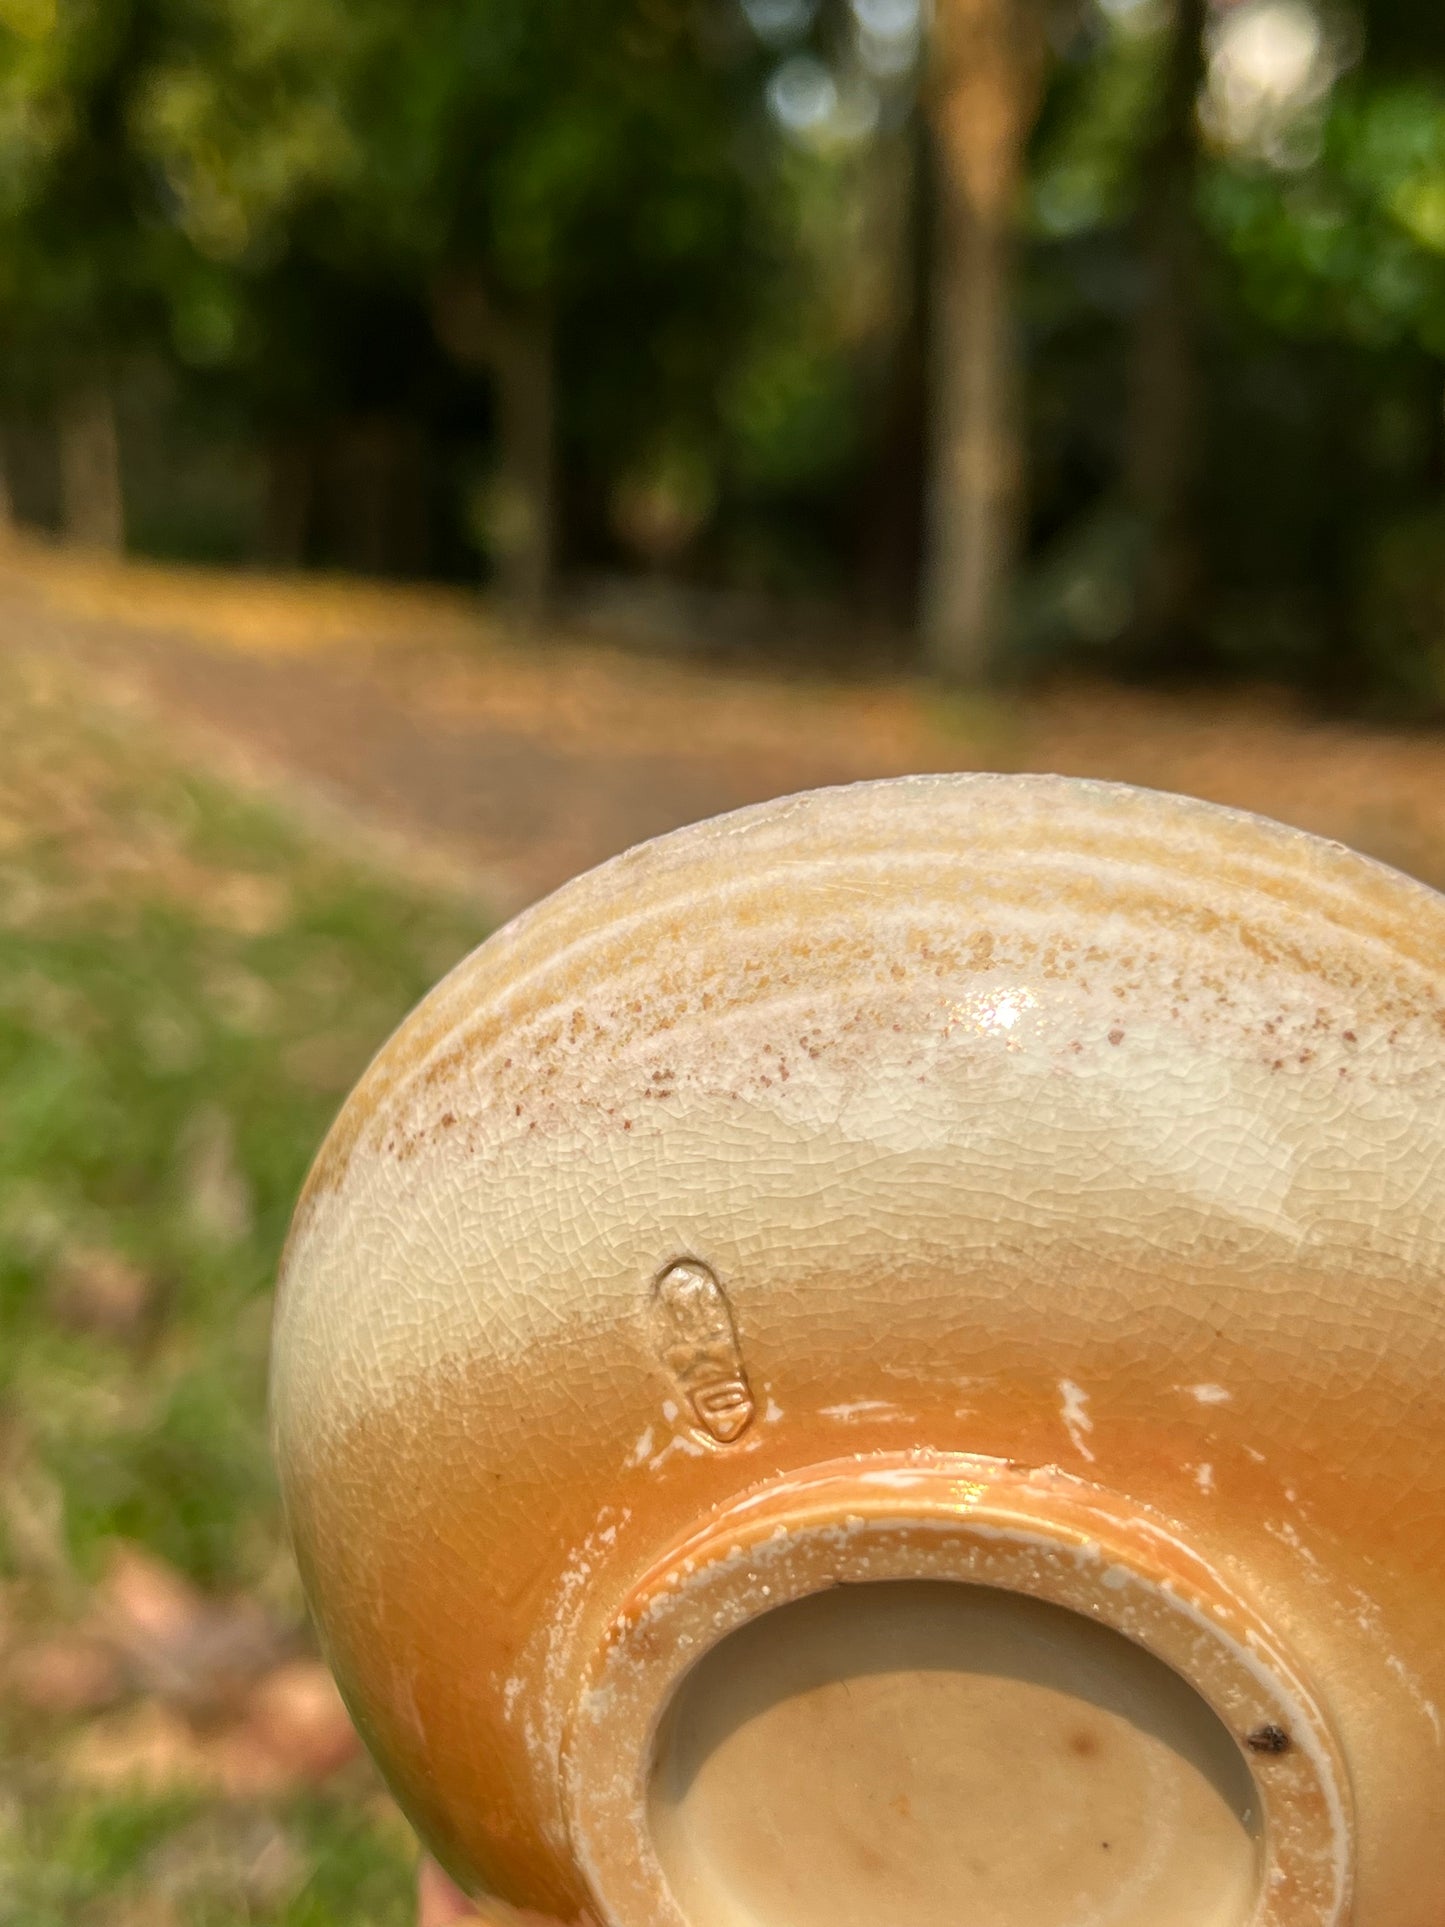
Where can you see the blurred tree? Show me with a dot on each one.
(509, 168)
(76, 271)
(1325, 191)
(1162, 452)
(824, 419)
(1230, 242)
(746, 289)
(983, 92)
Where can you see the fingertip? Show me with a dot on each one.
(439, 1900)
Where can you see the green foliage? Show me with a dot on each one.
(274, 199)
(1317, 343)
(1085, 172)
(64, 1857)
(1354, 248)
(790, 414)
(187, 988)
(172, 1043)
(1403, 609)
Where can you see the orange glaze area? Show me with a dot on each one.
(463, 1560)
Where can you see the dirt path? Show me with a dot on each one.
(517, 762)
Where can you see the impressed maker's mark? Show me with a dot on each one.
(698, 1342)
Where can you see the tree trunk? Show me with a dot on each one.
(1161, 462)
(984, 86)
(91, 499)
(888, 533)
(517, 353)
(373, 509)
(525, 408)
(289, 513)
(9, 521)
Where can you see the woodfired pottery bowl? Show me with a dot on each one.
(881, 1360)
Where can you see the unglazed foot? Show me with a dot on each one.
(882, 1360)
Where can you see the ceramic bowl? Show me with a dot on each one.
(882, 1358)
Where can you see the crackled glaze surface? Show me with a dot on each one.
(1056, 1123)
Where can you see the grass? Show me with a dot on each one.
(133, 1860)
(188, 987)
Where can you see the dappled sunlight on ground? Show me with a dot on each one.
(270, 614)
(520, 758)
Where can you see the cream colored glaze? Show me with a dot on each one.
(1052, 1122)
(932, 1753)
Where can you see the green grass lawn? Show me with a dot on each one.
(188, 986)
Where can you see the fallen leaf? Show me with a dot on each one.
(148, 1599)
(151, 1748)
(243, 1767)
(64, 1675)
(198, 1653)
(146, 1748)
(93, 1289)
(296, 1713)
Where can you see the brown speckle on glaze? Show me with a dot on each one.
(1269, 1738)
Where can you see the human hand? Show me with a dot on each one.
(441, 1903)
